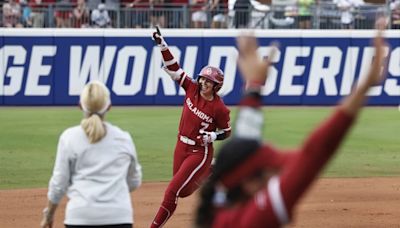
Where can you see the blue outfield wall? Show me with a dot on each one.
(316, 67)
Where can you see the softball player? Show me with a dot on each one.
(255, 185)
(204, 119)
(97, 166)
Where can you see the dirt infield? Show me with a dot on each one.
(333, 202)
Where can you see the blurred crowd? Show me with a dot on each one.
(303, 14)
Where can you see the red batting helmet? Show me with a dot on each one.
(213, 74)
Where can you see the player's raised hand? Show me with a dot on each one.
(353, 103)
(376, 73)
(159, 39)
(254, 69)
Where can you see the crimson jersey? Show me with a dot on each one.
(200, 114)
(272, 206)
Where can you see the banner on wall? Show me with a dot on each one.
(50, 67)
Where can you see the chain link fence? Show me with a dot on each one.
(240, 14)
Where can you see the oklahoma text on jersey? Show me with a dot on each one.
(198, 112)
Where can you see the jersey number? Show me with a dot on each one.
(205, 126)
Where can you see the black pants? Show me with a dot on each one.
(102, 226)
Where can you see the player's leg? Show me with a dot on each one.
(198, 178)
(190, 170)
(179, 156)
(168, 205)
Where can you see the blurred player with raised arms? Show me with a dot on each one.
(204, 119)
(255, 184)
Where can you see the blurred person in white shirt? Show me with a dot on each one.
(96, 166)
(100, 17)
(347, 7)
(12, 14)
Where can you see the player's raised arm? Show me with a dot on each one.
(324, 141)
(253, 68)
(171, 65)
(354, 102)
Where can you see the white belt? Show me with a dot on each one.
(186, 140)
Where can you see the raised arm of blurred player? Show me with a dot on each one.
(355, 101)
(319, 147)
(255, 72)
(171, 65)
(285, 190)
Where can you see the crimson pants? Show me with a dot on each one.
(191, 167)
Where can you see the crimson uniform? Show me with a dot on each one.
(192, 159)
(272, 206)
(198, 114)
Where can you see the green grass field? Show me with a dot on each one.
(28, 139)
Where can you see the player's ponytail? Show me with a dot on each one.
(95, 102)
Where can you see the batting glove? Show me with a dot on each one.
(207, 137)
(160, 41)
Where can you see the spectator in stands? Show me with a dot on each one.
(113, 7)
(282, 14)
(38, 10)
(26, 14)
(347, 7)
(80, 15)
(157, 13)
(12, 14)
(199, 13)
(100, 17)
(137, 13)
(242, 13)
(176, 11)
(395, 14)
(305, 13)
(219, 11)
(63, 13)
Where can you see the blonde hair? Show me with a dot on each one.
(95, 101)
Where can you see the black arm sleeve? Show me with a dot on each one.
(221, 134)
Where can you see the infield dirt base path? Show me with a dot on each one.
(332, 202)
